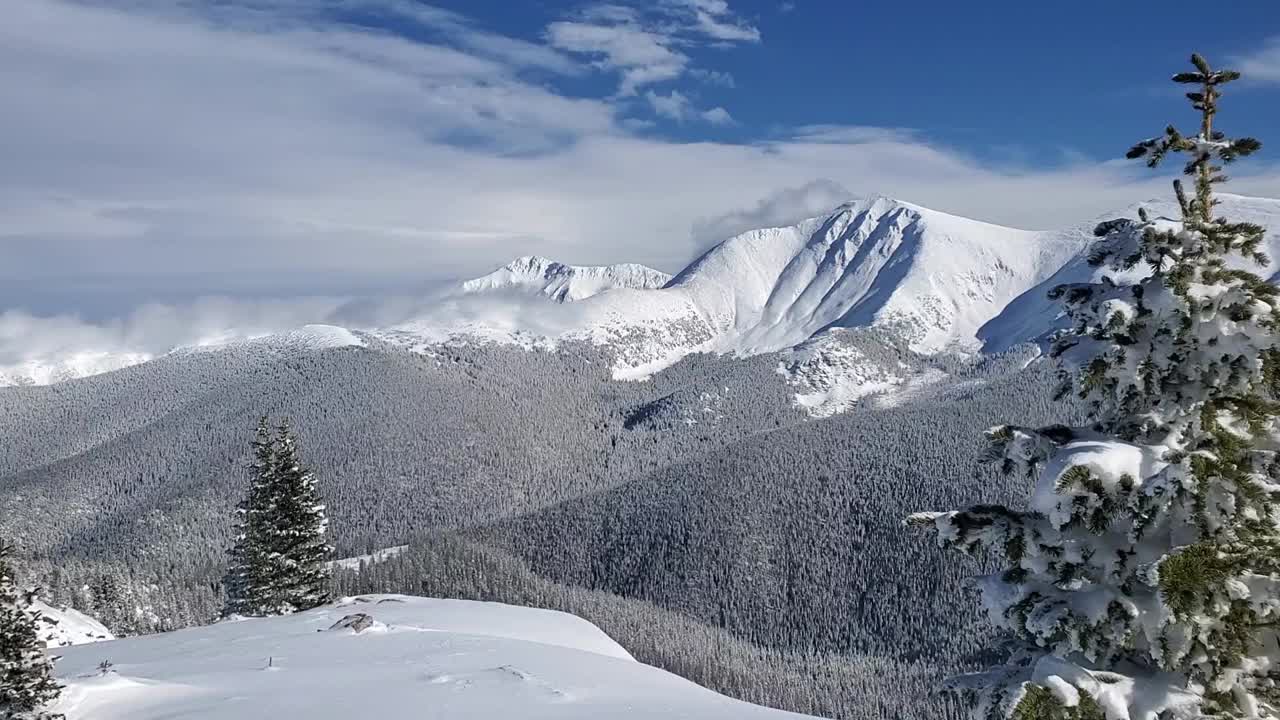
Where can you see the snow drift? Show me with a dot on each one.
(447, 659)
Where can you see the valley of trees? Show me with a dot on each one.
(1124, 533)
(533, 466)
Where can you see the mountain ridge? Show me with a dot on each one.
(565, 283)
(945, 283)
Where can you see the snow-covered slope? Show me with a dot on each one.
(70, 366)
(307, 337)
(1032, 315)
(565, 283)
(933, 277)
(836, 370)
(64, 626)
(421, 658)
(67, 366)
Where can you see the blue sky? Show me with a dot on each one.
(180, 164)
(1017, 81)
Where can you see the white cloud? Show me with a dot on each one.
(779, 209)
(641, 57)
(714, 19)
(713, 77)
(650, 47)
(673, 105)
(159, 153)
(1263, 64)
(717, 116)
(678, 107)
(850, 134)
(153, 328)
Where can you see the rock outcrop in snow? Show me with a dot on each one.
(446, 659)
(64, 626)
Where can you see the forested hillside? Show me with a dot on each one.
(765, 544)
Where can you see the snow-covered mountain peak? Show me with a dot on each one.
(877, 206)
(565, 283)
(939, 281)
(874, 261)
(533, 266)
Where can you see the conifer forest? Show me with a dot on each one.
(862, 461)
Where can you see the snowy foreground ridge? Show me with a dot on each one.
(421, 658)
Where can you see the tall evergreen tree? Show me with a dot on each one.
(299, 544)
(26, 672)
(245, 582)
(278, 563)
(1143, 580)
(108, 601)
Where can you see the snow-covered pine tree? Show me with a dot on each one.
(246, 581)
(108, 601)
(26, 671)
(278, 563)
(1143, 580)
(298, 544)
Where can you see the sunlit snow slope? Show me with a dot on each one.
(60, 367)
(936, 276)
(440, 659)
(933, 277)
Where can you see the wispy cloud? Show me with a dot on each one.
(640, 56)
(786, 206)
(717, 116)
(1263, 64)
(520, 53)
(673, 105)
(649, 46)
(715, 20)
(847, 134)
(713, 77)
(676, 106)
